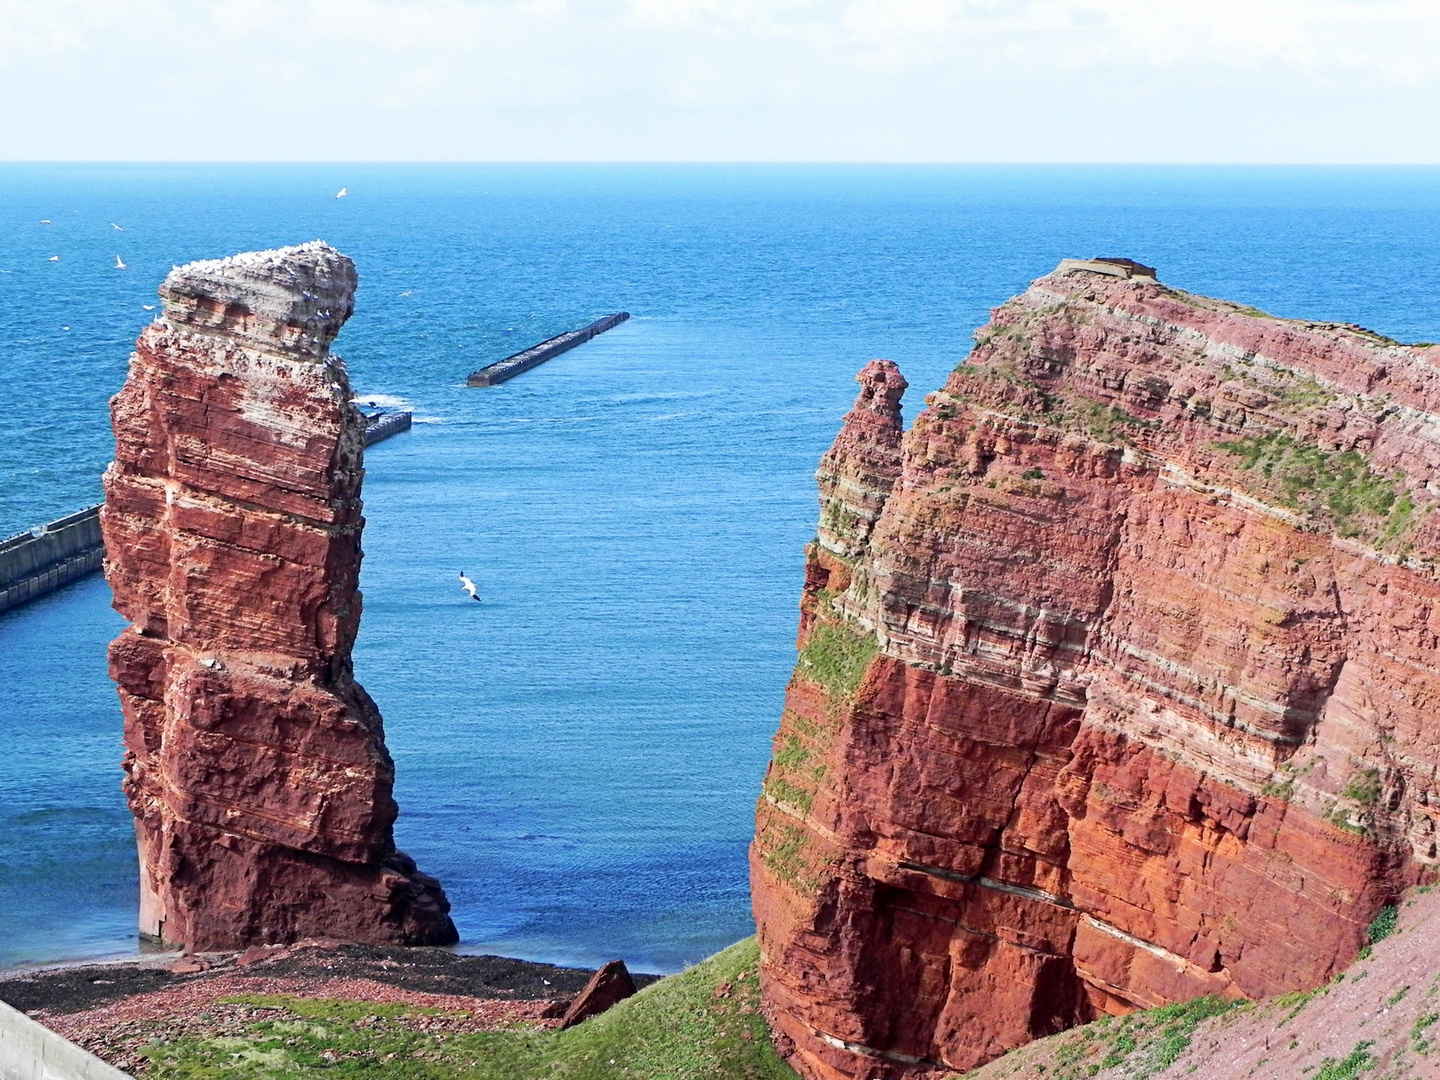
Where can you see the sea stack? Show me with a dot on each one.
(255, 765)
(1117, 681)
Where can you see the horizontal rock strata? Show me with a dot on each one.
(255, 764)
(1117, 678)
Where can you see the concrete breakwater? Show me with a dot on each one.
(38, 562)
(380, 426)
(498, 372)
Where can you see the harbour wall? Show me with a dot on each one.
(31, 565)
(498, 372)
(31, 1051)
(383, 425)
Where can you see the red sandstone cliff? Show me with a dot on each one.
(255, 764)
(1116, 678)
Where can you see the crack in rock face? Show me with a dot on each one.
(1116, 683)
(255, 764)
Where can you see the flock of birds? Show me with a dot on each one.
(120, 263)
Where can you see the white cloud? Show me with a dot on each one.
(658, 79)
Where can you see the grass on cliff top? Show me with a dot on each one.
(703, 1023)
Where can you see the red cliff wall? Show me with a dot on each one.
(255, 764)
(1117, 680)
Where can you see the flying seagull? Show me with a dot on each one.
(468, 586)
(46, 221)
(341, 193)
(117, 228)
(119, 264)
(54, 258)
(148, 307)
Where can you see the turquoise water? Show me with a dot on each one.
(578, 757)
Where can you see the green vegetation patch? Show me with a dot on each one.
(782, 791)
(1358, 1061)
(788, 852)
(1146, 1043)
(1283, 790)
(1294, 1002)
(1304, 393)
(792, 753)
(1419, 1039)
(1364, 787)
(1338, 487)
(1384, 924)
(1109, 423)
(795, 773)
(840, 520)
(836, 656)
(703, 1023)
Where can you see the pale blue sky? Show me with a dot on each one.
(721, 80)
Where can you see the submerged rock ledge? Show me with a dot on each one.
(1117, 678)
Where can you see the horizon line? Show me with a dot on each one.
(756, 162)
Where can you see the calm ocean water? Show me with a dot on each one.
(578, 757)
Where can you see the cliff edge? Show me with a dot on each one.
(255, 765)
(1115, 680)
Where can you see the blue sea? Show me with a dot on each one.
(578, 757)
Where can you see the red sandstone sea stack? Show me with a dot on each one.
(1117, 681)
(255, 765)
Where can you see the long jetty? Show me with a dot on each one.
(498, 372)
(40, 561)
(382, 425)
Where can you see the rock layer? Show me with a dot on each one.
(255, 765)
(1116, 678)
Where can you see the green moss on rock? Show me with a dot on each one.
(836, 656)
(1335, 487)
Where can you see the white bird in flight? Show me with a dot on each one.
(46, 221)
(54, 258)
(341, 193)
(119, 264)
(468, 586)
(148, 307)
(117, 228)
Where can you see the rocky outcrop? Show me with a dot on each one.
(255, 765)
(1116, 680)
(609, 986)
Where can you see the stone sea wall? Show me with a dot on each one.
(32, 565)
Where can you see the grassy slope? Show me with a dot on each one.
(703, 1023)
